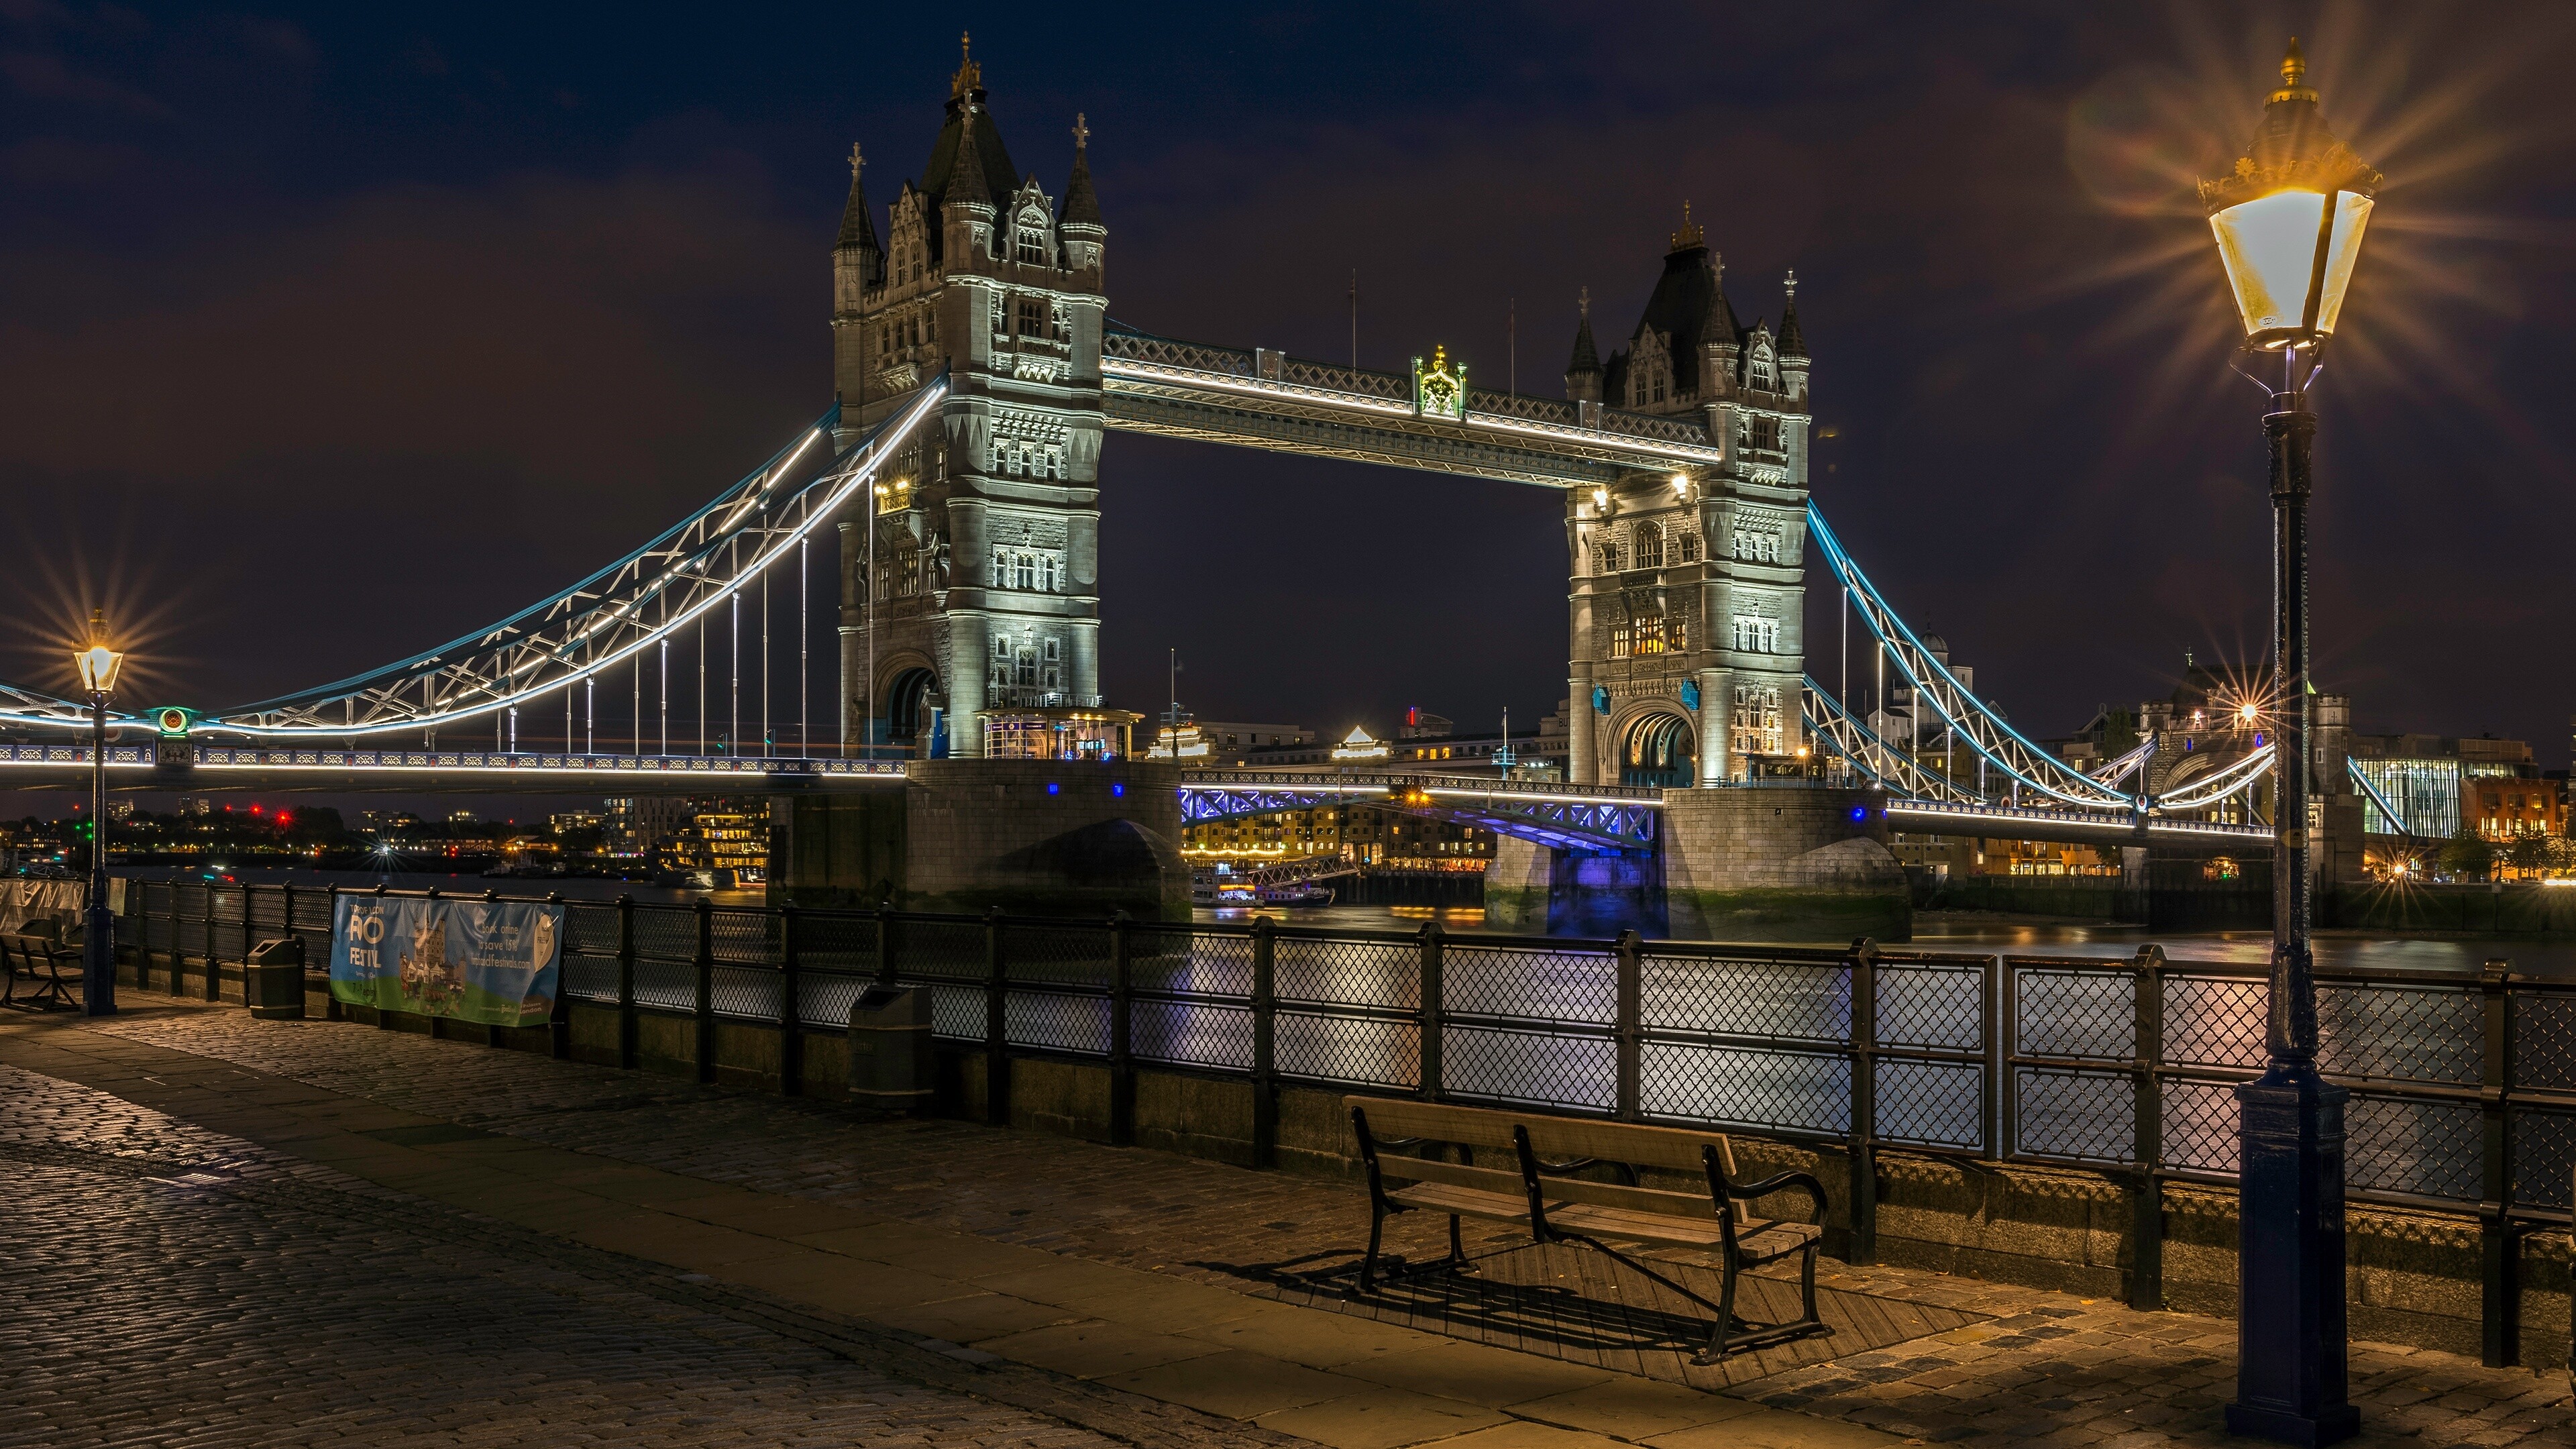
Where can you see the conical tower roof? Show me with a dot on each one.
(1793, 341)
(1081, 203)
(1587, 357)
(858, 219)
(980, 143)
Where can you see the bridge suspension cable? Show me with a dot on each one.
(640, 602)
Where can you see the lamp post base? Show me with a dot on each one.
(2290, 1377)
(98, 963)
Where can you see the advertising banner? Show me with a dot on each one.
(495, 962)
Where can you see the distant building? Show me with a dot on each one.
(637, 824)
(565, 822)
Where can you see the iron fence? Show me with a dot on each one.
(2463, 1091)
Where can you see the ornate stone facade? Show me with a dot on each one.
(972, 579)
(1686, 641)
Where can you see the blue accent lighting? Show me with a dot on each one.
(1860, 813)
(1118, 789)
(1054, 789)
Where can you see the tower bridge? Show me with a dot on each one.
(955, 485)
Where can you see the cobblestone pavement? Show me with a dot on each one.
(2046, 1369)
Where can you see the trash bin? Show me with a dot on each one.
(273, 980)
(890, 1053)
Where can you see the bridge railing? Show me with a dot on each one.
(2463, 1089)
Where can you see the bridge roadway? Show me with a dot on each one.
(1583, 817)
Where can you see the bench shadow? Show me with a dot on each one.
(1566, 1302)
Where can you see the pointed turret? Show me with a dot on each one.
(967, 184)
(858, 220)
(1793, 341)
(1081, 204)
(1085, 238)
(1583, 374)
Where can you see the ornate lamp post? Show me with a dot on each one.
(2289, 225)
(98, 665)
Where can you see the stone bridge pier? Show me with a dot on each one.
(1790, 862)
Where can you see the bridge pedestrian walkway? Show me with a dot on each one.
(1149, 1298)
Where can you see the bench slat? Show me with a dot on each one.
(1397, 1167)
(1390, 1117)
(1558, 1139)
(1466, 1202)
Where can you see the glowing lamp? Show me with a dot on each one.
(2246, 711)
(2289, 221)
(98, 666)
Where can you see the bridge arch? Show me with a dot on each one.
(1658, 746)
(906, 683)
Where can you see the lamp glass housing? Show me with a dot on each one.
(98, 666)
(2269, 245)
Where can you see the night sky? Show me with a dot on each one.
(331, 332)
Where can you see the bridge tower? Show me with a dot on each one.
(971, 580)
(1686, 638)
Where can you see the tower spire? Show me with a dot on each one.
(1690, 233)
(1081, 203)
(1793, 342)
(970, 76)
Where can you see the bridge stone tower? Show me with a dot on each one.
(971, 580)
(1686, 637)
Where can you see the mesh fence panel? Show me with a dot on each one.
(1937, 1008)
(1072, 955)
(1194, 1033)
(1745, 1087)
(744, 937)
(1343, 973)
(666, 933)
(590, 978)
(2400, 1033)
(824, 998)
(1202, 963)
(666, 985)
(1056, 1021)
(1529, 1066)
(2200, 1122)
(2544, 1156)
(313, 910)
(2430, 1149)
(267, 910)
(1936, 1104)
(2090, 1015)
(746, 993)
(957, 1012)
(1534, 984)
(2215, 1021)
(953, 950)
(591, 929)
(1374, 1052)
(837, 943)
(2544, 1040)
(2080, 1116)
(1781, 1000)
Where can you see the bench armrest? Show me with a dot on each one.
(1802, 1181)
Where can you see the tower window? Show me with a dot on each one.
(1033, 319)
(1032, 245)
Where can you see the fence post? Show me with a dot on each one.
(1431, 996)
(706, 992)
(491, 1030)
(1629, 1011)
(997, 1043)
(627, 1045)
(885, 941)
(178, 951)
(559, 1020)
(1863, 962)
(1998, 1071)
(791, 1011)
(384, 1018)
(330, 998)
(1122, 1031)
(215, 968)
(2500, 1342)
(1265, 1021)
(2147, 1205)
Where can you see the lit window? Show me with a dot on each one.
(1032, 244)
(1033, 321)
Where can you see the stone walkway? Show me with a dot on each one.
(896, 1279)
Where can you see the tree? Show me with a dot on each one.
(2468, 855)
(2533, 854)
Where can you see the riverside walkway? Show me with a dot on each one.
(228, 1231)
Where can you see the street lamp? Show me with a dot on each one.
(98, 665)
(2289, 225)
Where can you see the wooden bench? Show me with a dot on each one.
(1519, 1168)
(36, 955)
